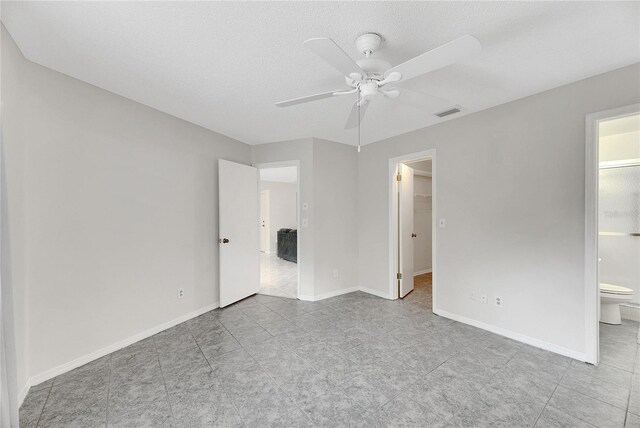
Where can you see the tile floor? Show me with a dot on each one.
(278, 277)
(354, 360)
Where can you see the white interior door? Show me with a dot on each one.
(239, 240)
(264, 222)
(405, 230)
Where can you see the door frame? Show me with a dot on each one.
(280, 164)
(591, 283)
(393, 220)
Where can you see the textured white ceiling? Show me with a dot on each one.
(223, 65)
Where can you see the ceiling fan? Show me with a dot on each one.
(369, 77)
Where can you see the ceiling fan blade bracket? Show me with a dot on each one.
(391, 92)
(354, 79)
(394, 76)
(352, 91)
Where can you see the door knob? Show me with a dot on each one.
(413, 235)
(223, 241)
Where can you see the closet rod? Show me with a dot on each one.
(619, 233)
(619, 164)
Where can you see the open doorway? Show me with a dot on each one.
(278, 222)
(422, 225)
(612, 237)
(411, 227)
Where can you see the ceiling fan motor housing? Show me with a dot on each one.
(368, 43)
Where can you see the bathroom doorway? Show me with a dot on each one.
(279, 250)
(612, 236)
(412, 261)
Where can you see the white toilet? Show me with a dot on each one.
(610, 298)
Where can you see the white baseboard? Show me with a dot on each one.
(580, 356)
(80, 361)
(375, 293)
(24, 392)
(422, 272)
(327, 295)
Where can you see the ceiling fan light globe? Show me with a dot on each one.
(368, 90)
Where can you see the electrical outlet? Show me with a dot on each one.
(483, 298)
(499, 301)
(305, 222)
(180, 293)
(336, 273)
(305, 206)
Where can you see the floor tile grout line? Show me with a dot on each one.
(91, 403)
(626, 413)
(588, 396)
(628, 387)
(45, 403)
(106, 415)
(312, 366)
(224, 388)
(362, 315)
(477, 393)
(545, 405)
(594, 398)
(288, 396)
(164, 380)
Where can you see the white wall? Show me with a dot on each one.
(282, 209)
(302, 151)
(422, 222)
(13, 108)
(117, 205)
(510, 183)
(336, 217)
(328, 185)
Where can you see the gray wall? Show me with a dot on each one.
(115, 210)
(336, 217)
(510, 183)
(328, 184)
(302, 151)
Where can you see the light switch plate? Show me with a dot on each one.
(441, 223)
(305, 222)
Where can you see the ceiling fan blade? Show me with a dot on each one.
(444, 55)
(429, 103)
(306, 99)
(328, 50)
(352, 122)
